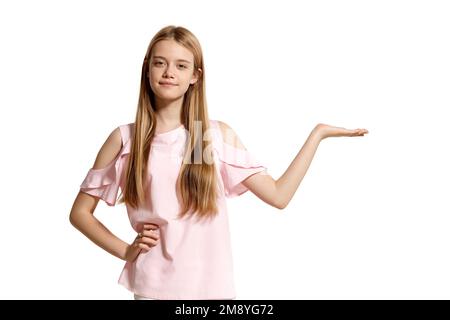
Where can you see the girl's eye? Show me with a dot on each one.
(159, 62)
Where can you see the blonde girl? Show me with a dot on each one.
(176, 168)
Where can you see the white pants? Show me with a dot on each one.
(138, 297)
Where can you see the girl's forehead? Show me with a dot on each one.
(166, 49)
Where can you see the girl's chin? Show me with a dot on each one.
(168, 97)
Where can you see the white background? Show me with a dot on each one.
(370, 219)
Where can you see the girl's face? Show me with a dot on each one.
(174, 64)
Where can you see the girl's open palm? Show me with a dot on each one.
(325, 131)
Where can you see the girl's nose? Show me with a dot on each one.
(169, 71)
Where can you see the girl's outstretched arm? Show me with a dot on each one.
(279, 192)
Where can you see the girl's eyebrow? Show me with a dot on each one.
(166, 59)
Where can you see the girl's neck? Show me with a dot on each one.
(168, 114)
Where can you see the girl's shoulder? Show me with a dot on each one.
(126, 131)
(226, 134)
(218, 127)
(215, 131)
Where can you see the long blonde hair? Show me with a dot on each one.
(197, 182)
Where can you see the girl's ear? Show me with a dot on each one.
(196, 76)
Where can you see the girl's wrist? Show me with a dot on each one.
(132, 252)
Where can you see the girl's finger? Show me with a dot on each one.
(362, 131)
(151, 234)
(148, 241)
(150, 226)
(144, 246)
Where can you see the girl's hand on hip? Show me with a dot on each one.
(326, 131)
(148, 238)
(145, 240)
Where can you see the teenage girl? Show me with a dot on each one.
(175, 168)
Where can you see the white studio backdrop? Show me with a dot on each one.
(370, 219)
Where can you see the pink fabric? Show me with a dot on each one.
(193, 258)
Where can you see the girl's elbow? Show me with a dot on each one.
(279, 204)
(76, 218)
(73, 219)
(281, 207)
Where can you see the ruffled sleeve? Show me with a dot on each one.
(104, 182)
(236, 165)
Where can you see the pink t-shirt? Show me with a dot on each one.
(193, 258)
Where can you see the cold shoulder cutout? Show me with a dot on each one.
(236, 164)
(104, 182)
